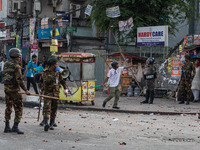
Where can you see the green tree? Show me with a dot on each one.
(144, 13)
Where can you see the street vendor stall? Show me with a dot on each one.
(82, 73)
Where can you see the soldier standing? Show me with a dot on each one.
(51, 85)
(12, 83)
(150, 76)
(188, 71)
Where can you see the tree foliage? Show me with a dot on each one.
(144, 13)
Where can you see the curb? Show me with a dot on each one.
(85, 108)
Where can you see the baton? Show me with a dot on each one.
(94, 86)
(50, 97)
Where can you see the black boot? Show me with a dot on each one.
(42, 123)
(51, 124)
(146, 101)
(151, 96)
(46, 125)
(7, 127)
(54, 124)
(187, 103)
(16, 129)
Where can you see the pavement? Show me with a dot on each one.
(161, 106)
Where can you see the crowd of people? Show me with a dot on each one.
(46, 73)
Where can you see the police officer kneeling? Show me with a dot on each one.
(12, 83)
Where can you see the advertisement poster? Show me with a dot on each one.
(84, 91)
(174, 66)
(75, 97)
(32, 30)
(88, 10)
(47, 33)
(113, 12)
(34, 49)
(152, 36)
(91, 92)
(196, 39)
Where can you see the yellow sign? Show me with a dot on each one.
(53, 48)
(57, 33)
(75, 97)
(84, 91)
(180, 47)
(54, 42)
(91, 92)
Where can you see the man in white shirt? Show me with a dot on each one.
(114, 78)
(1, 69)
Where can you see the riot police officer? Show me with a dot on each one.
(150, 76)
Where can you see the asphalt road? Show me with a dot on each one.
(82, 130)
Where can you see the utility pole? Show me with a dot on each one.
(54, 41)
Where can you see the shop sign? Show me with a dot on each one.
(71, 29)
(66, 18)
(53, 48)
(47, 33)
(2, 24)
(152, 36)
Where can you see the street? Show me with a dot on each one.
(82, 130)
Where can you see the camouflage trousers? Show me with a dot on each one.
(50, 108)
(185, 87)
(13, 100)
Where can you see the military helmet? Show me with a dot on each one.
(52, 60)
(15, 52)
(114, 64)
(150, 60)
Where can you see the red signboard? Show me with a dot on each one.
(2, 24)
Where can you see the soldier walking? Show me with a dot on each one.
(12, 83)
(51, 84)
(188, 72)
(150, 76)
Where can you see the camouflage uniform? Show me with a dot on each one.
(51, 85)
(150, 82)
(188, 71)
(12, 83)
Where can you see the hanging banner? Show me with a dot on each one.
(0, 4)
(152, 36)
(18, 39)
(42, 23)
(88, 10)
(126, 25)
(32, 30)
(113, 12)
(34, 49)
